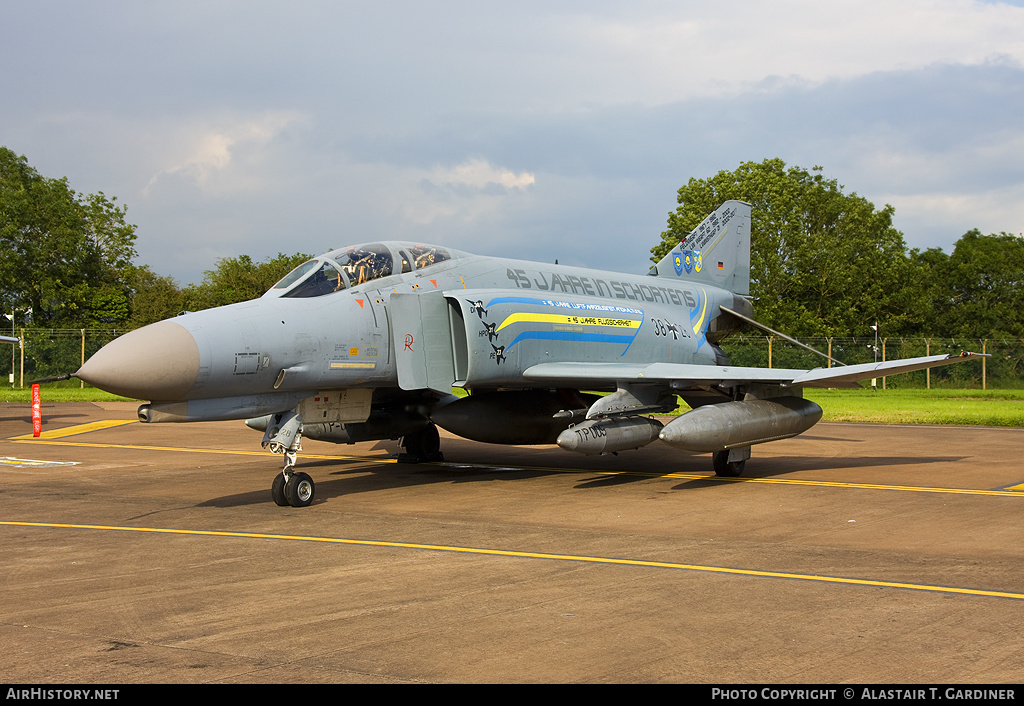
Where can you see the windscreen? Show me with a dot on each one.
(295, 275)
(324, 281)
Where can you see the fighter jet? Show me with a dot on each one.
(367, 342)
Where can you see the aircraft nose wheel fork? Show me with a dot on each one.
(295, 489)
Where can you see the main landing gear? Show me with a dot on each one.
(730, 463)
(421, 446)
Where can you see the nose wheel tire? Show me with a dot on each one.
(297, 489)
(277, 490)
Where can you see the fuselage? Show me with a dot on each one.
(338, 324)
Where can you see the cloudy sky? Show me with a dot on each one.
(542, 130)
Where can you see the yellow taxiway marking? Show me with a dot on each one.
(539, 555)
(234, 452)
(1011, 492)
(76, 429)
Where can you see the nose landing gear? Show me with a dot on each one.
(284, 436)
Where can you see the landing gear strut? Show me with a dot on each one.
(284, 436)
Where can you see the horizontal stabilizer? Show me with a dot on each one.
(834, 377)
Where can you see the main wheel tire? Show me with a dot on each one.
(724, 468)
(423, 444)
(277, 490)
(299, 490)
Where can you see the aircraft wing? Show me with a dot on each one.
(9, 339)
(584, 374)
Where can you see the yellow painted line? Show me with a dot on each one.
(1016, 491)
(77, 429)
(721, 479)
(868, 486)
(540, 555)
(139, 447)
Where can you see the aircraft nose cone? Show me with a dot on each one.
(159, 362)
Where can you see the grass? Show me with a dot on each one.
(1002, 408)
(51, 394)
(971, 407)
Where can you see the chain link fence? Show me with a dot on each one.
(51, 352)
(45, 353)
(1003, 370)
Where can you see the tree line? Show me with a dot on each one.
(68, 261)
(827, 263)
(823, 262)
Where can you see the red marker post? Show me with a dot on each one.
(37, 412)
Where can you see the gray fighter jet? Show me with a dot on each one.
(367, 342)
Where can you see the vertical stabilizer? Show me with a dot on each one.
(717, 252)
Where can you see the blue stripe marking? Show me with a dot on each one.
(570, 336)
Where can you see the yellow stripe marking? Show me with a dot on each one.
(77, 429)
(539, 555)
(234, 452)
(1014, 491)
(699, 326)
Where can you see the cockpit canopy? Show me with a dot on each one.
(356, 265)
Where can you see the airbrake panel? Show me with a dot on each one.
(422, 337)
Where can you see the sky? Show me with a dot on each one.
(537, 130)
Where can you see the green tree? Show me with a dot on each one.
(981, 291)
(237, 279)
(154, 297)
(822, 262)
(65, 254)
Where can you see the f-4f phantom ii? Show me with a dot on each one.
(367, 342)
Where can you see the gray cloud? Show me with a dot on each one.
(526, 131)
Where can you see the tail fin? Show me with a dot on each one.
(717, 252)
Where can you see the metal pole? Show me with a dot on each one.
(928, 371)
(883, 359)
(874, 381)
(12, 348)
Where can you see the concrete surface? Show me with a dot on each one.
(854, 553)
